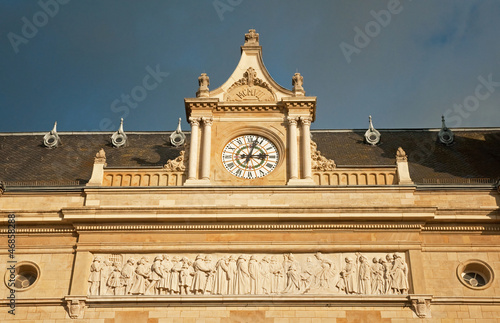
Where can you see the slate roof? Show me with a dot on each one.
(474, 156)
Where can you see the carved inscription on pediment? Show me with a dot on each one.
(250, 88)
(249, 274)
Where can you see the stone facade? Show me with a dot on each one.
(311, 239)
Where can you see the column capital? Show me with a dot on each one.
(306, 120)
(292, 120)
(208, 121)
(194, 121)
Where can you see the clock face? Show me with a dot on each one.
(250, 156)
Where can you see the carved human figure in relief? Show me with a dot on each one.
(186, 276)
(364, 274)
(399, 275)
(128, 274)
(377, 274)
(292, 268)
(277, 276)
(142, 273)
(231, 274)
(265, 275)
(209, 286)
(222, 278)
(388, 274)
(164, 283)
(106, 270)
(349, 280)
(116, 281)
(254, 272)
(200, 275)
(308, 276)
(242, 276)
(156, 276)
(325, 277)
(174, 276)
(95, 276)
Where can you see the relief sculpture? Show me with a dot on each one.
(249, 274)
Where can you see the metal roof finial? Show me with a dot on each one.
(119, 138)
(445, 135)
(51, 139)
(178, 138)
(372, 136)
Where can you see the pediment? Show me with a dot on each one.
(250, 80)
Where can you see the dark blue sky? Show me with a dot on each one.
(414, 61)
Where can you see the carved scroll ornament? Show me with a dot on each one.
(250, 88)
(320, 163)
(249, 274)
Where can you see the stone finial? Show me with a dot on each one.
(100, 157)
(252, 38)
(401, 155)
(97, 176)
(445, 135)
(51, 139)
(204, 82)
(119, 138)
(297, 81)
(403, 170)
(178, 138)
(372, 136)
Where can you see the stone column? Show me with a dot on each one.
(193, 148)
(206, 148)
(306, 146)
(292, 124)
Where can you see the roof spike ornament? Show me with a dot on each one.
(372, 136)
(178, 138)
(297, 82)
(51, 139)
(204, 82)
(119, 138)
(445, 135)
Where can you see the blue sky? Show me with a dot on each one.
(415, 60)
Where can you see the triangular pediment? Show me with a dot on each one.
(250, 81)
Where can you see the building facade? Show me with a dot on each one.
(251, 217)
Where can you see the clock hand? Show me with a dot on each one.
(251, 150)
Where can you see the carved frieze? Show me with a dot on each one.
(250, 88)
(249, 274)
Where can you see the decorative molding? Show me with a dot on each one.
(39, 230)
(248, 108)
(246, 227)
(250, 88)
(320, 163)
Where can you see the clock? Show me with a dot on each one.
(250, 156)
